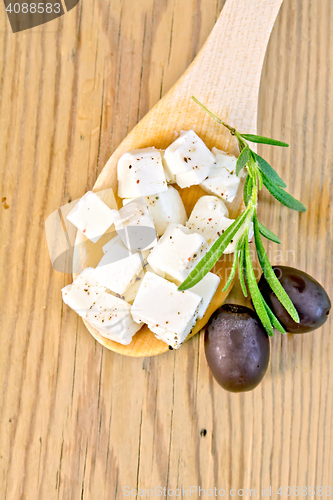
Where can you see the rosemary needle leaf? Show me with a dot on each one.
(270, 275)
(234, 266)
(260, 179)
(214, 253)
(241, 144)
(275, 322)
(267, 233)
(247, 190)
(268, 170)
(282, 196)
(243, 159)
(255, 292)
(241, 271)
(264, 140)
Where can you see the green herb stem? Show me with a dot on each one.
(259, 174)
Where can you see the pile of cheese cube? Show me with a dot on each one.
(136, 282)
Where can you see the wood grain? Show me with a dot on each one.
(81, 422)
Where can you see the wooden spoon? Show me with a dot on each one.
(225, 77)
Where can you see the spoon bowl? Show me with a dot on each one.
(225, 77)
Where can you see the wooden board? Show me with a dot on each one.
(78, 421)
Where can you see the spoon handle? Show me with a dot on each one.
(225, 75)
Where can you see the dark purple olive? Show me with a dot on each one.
(237, 348)
(308, 296)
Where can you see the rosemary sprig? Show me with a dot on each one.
(259, 174)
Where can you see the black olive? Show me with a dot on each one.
(308, 296)
(237, 348)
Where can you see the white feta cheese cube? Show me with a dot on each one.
(141, 173)
(177, 252)
(209, 218)
(83, 292)
(189, 179)
(222, 180)
(91, 216)
(148, 267)
(170, 314)
(206, 288)
(112, 318)
(136, 226)
(188, 159)
(170, 177)
(127, 200)
(110, 243)
(144, 256)
(225, 159)
(132, 290)
(166, 208)
(119, 250)
(118, 268)
(224, 224)
(108, 335)
(206, 216)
